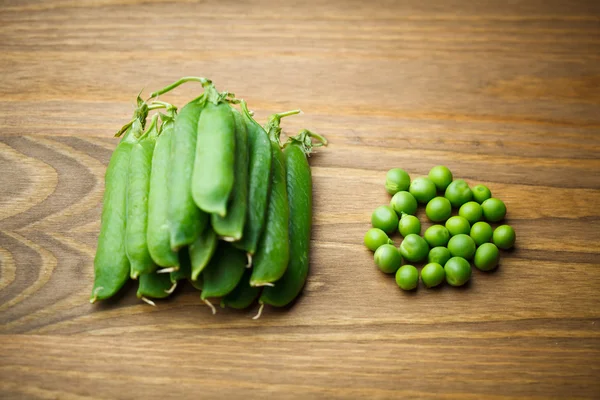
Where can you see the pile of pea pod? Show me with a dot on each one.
(206, 195)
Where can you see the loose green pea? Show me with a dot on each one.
(387, 258)
(409, 224)
(471, 211)
(458, 271)
(481, 193)
(504, 237)
(439, 255)
(423, 189)
(414, 248)
(407, 277)
(457, 225)
(481, 232)
(438, 209)
(404, 202)
(494, 209)
(486, 257)
(437, 235)
(396, 180)
(441, 177)
(461, 246)
(374, 238)
(458, 192)
(385, 218)
(432, 275)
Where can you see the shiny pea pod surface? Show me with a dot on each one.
(259, 181)
(231, 226)
(201, 251)
(223, 272)
(243, 295)
(111, 264)
(186, 220)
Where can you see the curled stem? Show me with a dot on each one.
(185, 79)
(304, 140)
(273, 126)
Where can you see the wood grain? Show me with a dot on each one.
(504, 93)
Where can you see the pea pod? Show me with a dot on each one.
(201, 251)
(243, 295)
(223, 272)
(185, 269)
(158, 235)
(138, 184)
(231, 226)
(213, 173)
(154, 285)
(259, 182)
(299, 190)
(111, 265)
(186, 220)
(273, 250)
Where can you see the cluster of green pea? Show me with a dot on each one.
(447, 248)
(208, 195)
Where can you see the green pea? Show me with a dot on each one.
(494, 209)
(243, 295)
(396, 180)
(437, 235)
(387, 258)
(457, 225)
(486, 257)
(438, 209)
(414, 248)
(138, 185)
(299, 190)
(458, 271)
(504, 237)
(423, 189)
(259, 147)
(223, 272)
(111, 264)
(462, 246)
(385, 218)
(158, 233)
(231, 226)
(409, 224)
(375, 237)
(481, 232)
(471, 211)
(458, 192)
(407, 277)
(441, 177)
(404, 202)
(432, 275)
(439, 255)
(201, 251)
(155, 285)
(481, 193)
(186, 220)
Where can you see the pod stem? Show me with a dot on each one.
(152, 129)
(204, 81)
(304, 140)
(273, 126)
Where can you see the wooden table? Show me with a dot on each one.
(504, 93)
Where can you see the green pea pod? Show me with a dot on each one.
(154, 285)
(299, 190)
(138, 185)
(259, 182)
(158, 235)
(273, 250)
(213, 176)
(231, 226)
(201, 251)
(186, 220)
(243, 295)
(223, 272)
(185, 268)
(111, 265)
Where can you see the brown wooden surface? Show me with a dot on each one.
(504, 93)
